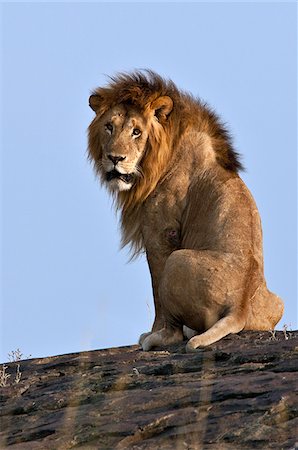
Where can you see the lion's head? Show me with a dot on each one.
(120, 137)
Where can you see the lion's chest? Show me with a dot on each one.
(161, 221)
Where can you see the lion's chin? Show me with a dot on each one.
(118, 181)
(118, 185)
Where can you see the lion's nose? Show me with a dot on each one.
(116, 159)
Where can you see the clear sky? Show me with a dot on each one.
(65, 286)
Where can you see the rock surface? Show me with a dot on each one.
(240, 393)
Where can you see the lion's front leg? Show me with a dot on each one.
(163, 337)
(156, 266)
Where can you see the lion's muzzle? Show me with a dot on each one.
(114, 174)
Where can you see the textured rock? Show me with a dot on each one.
(240, 393)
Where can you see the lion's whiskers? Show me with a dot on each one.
(139, 172)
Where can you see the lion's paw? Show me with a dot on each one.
(152, 340)
(143, 337)
(146, 344)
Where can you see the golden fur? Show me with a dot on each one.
(172, 170)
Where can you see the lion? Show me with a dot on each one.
(169, 163)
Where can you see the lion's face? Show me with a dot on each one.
(123, 137)
(127, 142)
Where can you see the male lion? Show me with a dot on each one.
(171, 167)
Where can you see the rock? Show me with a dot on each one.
(240, 393)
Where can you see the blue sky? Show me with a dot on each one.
(65, 285)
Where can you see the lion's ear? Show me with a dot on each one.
(162, 107)
(95, 102)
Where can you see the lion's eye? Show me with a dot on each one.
(136, 132)
(109, 127)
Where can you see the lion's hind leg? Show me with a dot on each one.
(265, 310)
(165, 336)
(224, 326)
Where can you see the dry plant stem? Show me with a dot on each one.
(4, 376)
(18, 374)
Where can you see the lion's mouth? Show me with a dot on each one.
(126, 177)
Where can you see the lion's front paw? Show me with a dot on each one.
(146, 344)
(162, 338)
(143, 337)
(151, 340)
